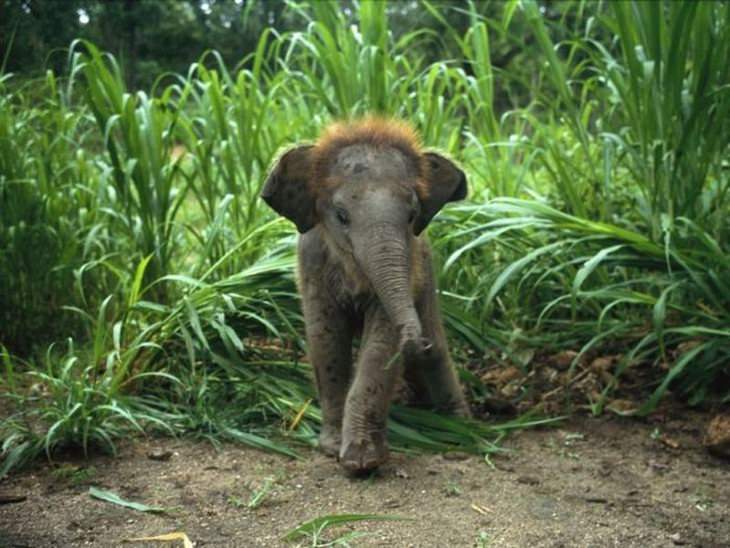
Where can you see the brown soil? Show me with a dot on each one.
(589, 482)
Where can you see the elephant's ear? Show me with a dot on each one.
(445, 183)
(287, 190)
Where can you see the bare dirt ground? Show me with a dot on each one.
(587, 482)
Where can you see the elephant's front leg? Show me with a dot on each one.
(329, 341)
(364, 438)
(432, 375)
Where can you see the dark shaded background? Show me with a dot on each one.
(151, 37)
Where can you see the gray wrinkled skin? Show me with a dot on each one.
(363, 272)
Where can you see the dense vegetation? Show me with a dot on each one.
(143, 286)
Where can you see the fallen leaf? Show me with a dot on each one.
(299, 415)
(511, 389)
(564, 359)
(480, 509)
(109, 496)
(165, 538)
(603, 363)
(717, 436)
(622, 407)
(502, 375)
(669, 442)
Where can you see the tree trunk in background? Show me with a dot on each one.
(129, 51)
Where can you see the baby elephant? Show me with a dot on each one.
(360, 197)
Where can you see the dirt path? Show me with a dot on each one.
(590, 482)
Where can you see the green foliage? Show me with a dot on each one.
(314, 528)
(151, 37)
(109, 496)
(137, 133)
(49, 216)
(131, 230)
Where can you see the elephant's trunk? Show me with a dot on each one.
(384, 256)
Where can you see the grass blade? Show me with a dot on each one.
(317, 524)
(109, 496)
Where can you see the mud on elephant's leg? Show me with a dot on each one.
(329, 341)
(364, 434)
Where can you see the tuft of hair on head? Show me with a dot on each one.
(376, 131)
(373, 130)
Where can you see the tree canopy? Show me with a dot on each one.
(152, 37)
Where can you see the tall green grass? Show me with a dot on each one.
(132, 235)
(51, 222)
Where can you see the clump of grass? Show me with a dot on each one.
(74, 474)
(80, 397)
(258, 496)
(314, 528)
(49, 219)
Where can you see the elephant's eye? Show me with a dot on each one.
(412, 216)
(342, 216)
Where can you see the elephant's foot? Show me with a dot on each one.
(361, 454)
(330, 441)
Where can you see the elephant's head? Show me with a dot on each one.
(371, 190)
